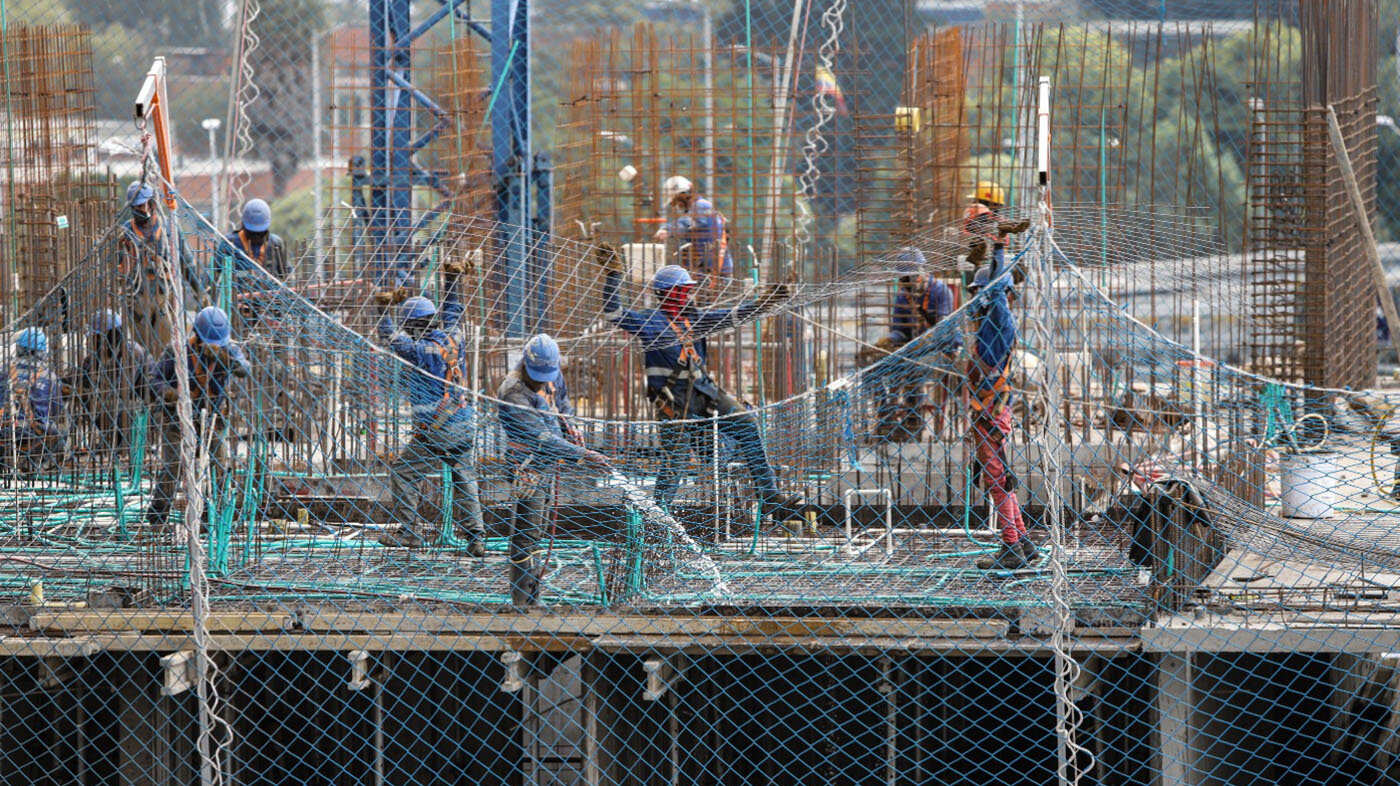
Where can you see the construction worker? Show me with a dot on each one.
(920, 303)
(434, 344)
(990, 404)
(700, 231)
(672, 338)
(32, 396)
(256, 243)
(212, 358)
(144, 247)
(112, 381)
(534, 409)
(982, 221)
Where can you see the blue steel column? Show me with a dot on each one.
(391, 126)
(542, 180)
(510, 152)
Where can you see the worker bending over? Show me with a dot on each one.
(672, 338)
(211, 358)
(990, 403)
(921, 302)
(32, 437)
(700, 231)
(111, 383)
(434, 343)
(535, 410)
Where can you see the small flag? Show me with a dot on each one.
(826, 86)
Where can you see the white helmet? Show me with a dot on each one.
(676, 185)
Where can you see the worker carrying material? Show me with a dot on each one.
(256, 243)
(112, 383)
(212, 358)
(921, 302)
(983, 224)
(145, 245)
(32, 395)
(672, 338)
(700, 232)
(535, 410)
(434, 342)
(990, 408)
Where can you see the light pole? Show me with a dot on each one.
(211, 124)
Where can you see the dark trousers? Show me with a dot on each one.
(424, 455)
(167, 477)
(700, 438)
(531, 503)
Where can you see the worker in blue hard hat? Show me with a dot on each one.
(32, 397)
(921, 302)
(673, 338)
(434, 344)
(112, 381)
(146, 245)
(211, 358)
(990, 401)
(700, 232)
(535, 410)
(255, 243)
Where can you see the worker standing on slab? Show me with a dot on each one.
(672, 338)
(535, 410)
(212, 359)
(32, 438)
(921, 302)
(990, 404)
(434, 343)
(111, 383)
(145, 245)
(256, 243)
(700, 231)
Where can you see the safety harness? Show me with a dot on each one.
(690, 367)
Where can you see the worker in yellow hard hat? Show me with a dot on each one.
(982, 221)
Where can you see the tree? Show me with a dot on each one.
(280, 119)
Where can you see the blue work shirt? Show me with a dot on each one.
(996, 333)
(532, 421)
(31, 376)
(911, 316)
(142, 247)
(436, 390)
(208, 381)
(707, 232)
(270, 254)
(674, 351)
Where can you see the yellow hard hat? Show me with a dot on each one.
(987, 191)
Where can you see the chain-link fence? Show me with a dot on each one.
(867, 455)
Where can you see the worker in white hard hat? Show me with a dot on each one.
(701, 232)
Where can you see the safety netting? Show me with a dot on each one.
(489, 577)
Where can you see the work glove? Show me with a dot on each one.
(170, 395)
(885, 343)
(1005, 228)
(458, 266)
(596, 459)
(391, 297)
(976, 251)
(607, 257)
(773, 294)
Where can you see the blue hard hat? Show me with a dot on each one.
(211, 325)
(418, 307)
(541, 358)
(105, 321)
(671, 276)
(981, 279)
(33, 340)
(139, 193)
(257, 216)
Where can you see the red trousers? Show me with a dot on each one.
(988, 437)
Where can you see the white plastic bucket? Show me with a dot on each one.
(1309, 484)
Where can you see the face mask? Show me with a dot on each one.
(141, 218)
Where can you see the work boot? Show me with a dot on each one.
(476, 545)
(1009, 557)
(783, 507)
(1013, 227)
(404, 537)
(391, 297)
(1029, 551)
(458, 266)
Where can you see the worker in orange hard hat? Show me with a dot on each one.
(983, 222)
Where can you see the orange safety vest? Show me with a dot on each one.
(991, 400)
(248, 247)
(451, 397)
(979, 220)
(140, 255)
